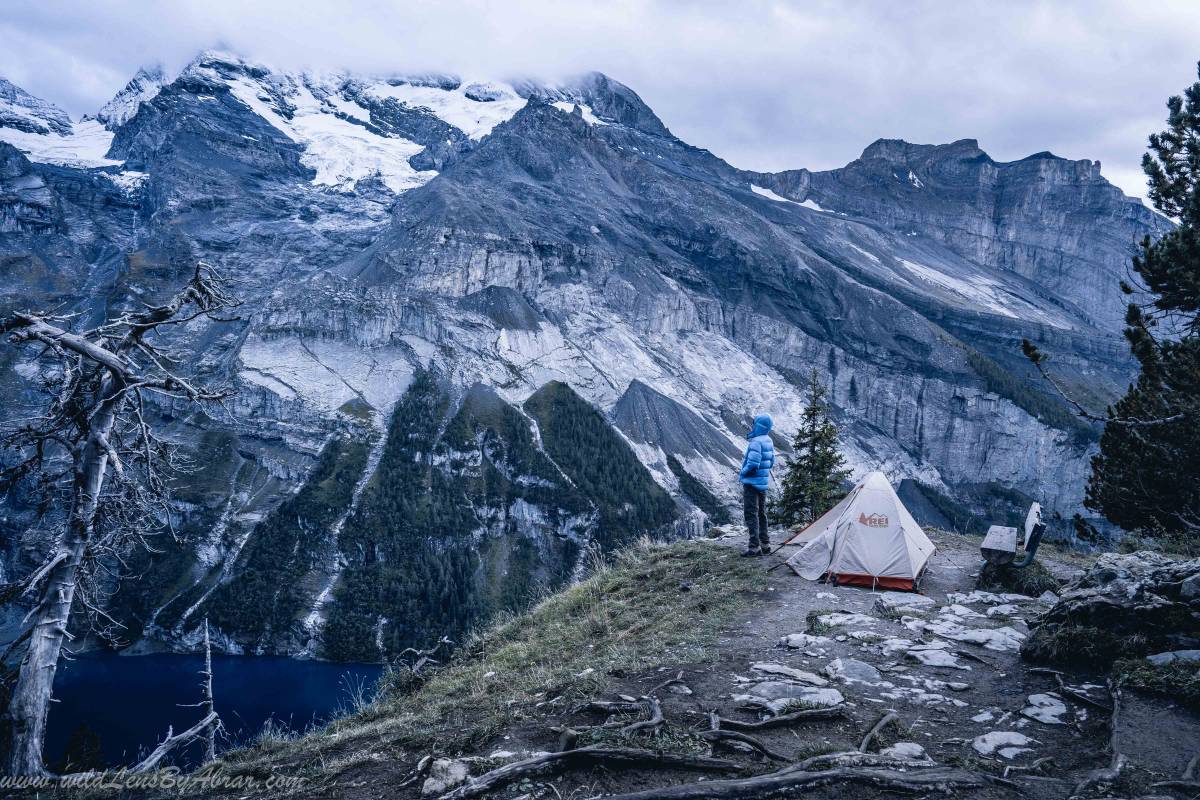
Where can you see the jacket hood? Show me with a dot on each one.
(762, 424)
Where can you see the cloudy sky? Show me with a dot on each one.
(765, 85)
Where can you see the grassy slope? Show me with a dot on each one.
(631, 615)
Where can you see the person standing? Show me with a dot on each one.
(755, 475)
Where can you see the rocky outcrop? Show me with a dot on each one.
(1124, 605)
(1057, 222)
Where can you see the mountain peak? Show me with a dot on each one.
(25, 112)
(902, 152)
(144, 85)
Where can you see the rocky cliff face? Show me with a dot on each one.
(512, 237)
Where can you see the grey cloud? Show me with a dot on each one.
(765, 85)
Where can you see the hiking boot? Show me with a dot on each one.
(765, 547)
(750, 552)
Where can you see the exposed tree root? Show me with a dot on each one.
(1113, 771)
(607, 707)
(1036, 766)
(714, 735)
(791, 718)
(556, 763)
(678, 679)
(853, 758)
(653, 725)
(786, 782)
(883, 722)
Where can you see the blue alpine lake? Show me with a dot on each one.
(127, 702)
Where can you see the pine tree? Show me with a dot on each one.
(1146, 473)
(815, 475)
(1144, 478)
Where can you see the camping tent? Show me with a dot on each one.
(868, 539)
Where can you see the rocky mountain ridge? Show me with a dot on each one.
(511, 236)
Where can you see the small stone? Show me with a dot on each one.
(779, 690)
(1003, 610)
(1045, 708)
(585, 673)
(772, 668)
(851, 669)
(937, 657)
(1048, 598)
(989, 743)
(684, 586)
(1173, 656)
(840, 618)
(444, 775)
(910, 750)
(678, 688)
(799, 641)
(902, 603)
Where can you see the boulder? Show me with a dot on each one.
(1125, 605)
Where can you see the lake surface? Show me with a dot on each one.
(128, 701)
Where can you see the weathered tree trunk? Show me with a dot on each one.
(210, 741)
(31, 695)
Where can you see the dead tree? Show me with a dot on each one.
(94, 451)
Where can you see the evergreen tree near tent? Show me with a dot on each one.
(814, 478)
(1145, 476)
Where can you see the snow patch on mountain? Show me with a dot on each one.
(85, 146)
(808, 203)
(341, 152)
(589, 116)
(473, 108)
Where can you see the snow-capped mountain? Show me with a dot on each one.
(506, 237)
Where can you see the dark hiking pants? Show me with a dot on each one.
(754, 506)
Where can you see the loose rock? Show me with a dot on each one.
(1045, 708)
(771, 668)
(851, 669)
(1007, 744)
(444, 775)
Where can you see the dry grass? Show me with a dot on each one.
(630, 616)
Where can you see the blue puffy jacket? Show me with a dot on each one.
(760, 455)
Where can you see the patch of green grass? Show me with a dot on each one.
(670, 739)
(1178, 680)
(1080, 645)
(1031, 581)
(627, 617)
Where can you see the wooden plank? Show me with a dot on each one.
(1000, 545)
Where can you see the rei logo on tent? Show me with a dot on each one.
(873, 521)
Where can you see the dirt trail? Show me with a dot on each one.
(948, 666)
